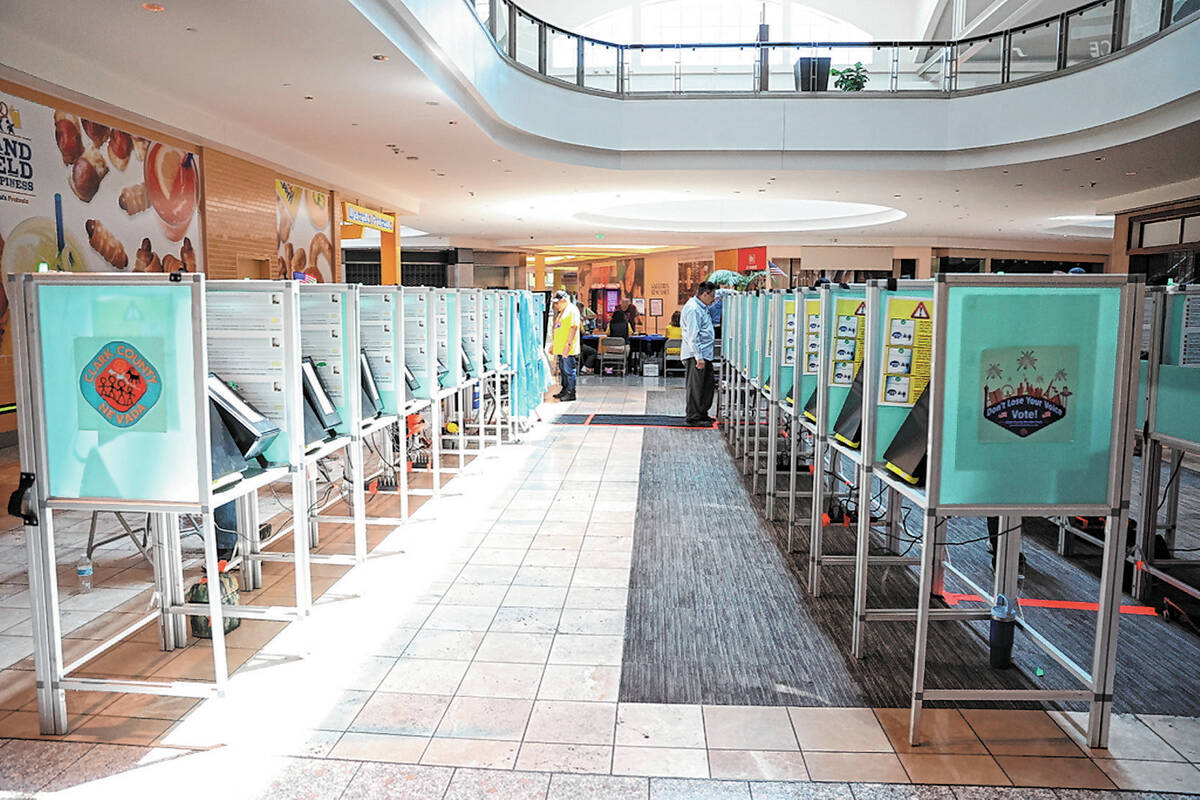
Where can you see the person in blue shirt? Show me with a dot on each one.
(696, 352)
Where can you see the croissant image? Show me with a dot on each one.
(299, 260)
(67, 136)
(171, 263)
(187, 254)
(134, 199)
(96, 132)
(140, 145)
(320, 253)
(144, 260)
(106, 244)
(120, 145)
(86, 174)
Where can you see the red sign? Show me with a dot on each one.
(752, 259)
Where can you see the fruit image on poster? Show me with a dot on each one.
(849, 332)
(304, 220)
(908, 351)
(81, 196)
(1026, 390)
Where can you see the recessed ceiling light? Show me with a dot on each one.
(286, 85)
(411, 158)
(1131, 173)
(190, 29)
(379, 57)
(155, 7)
(452, 122)
(1099, 158)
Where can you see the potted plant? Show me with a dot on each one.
(851, 79)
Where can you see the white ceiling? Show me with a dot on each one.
(241, 76)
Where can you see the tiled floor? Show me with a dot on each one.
(478, 653)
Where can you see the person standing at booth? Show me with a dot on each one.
(696, 352)
(565, 343)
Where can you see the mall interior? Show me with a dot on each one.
(456, 280)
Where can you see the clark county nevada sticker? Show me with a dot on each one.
(120, 383)
(1027, 389)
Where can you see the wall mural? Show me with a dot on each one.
(691, 274)
(304, 220)
(81, 196)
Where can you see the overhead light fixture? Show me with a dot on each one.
(432, 103)
(1131, 173)
(379, 57)
(309, 97)
(155, 7)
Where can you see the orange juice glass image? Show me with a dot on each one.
(174, 187)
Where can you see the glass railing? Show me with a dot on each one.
(1070, 40)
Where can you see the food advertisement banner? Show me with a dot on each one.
(305, 233)
(691, 274)
(80, 196)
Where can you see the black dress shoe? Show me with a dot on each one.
(559, 394)
(566, 398)
(699, 423)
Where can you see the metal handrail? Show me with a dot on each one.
(940, 69)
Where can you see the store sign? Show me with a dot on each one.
(751, 259)
(368, 218)
(120, 383)
(1026, 389)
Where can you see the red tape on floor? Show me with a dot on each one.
(954, 598)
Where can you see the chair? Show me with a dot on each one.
(671, 354)
(614, 352)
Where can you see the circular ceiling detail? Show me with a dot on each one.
(740, 215)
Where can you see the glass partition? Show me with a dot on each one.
(1142, 18)
(599, 66)
(921, 68)
(1033, 51)
(502, 12)
(1089, 33)
(979, 62)
(562, 55)
(650, 69)
(527, 41)
(717, 69)
(483, 10)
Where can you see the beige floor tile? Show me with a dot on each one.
(120, 730)
(584, 758)
(572, 682)
(1020, 733)
(1182, 733)
(593, 597)
(424, 676)
(749, 728)
(514, 648)
(660, 725)
(604, 622)
(567, 722)
(379, 747)
(474, 594)
(401, 714)
(486, 679)
(474, 784)
(1057, 773)
(1152, 776)
(461, 618)
(617, 577)
(660, 762)
(150, 706)
(953, 769)
(854, 730)
(587, 649)
(943, 730)
(1128, 737)
(534, 575)
(855, 767)
(485, 718)
(757, 765)
(551, 558)
(453, 645)
(536, 596)
(518, 619)
(483, 753)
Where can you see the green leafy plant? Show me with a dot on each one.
(851, 79)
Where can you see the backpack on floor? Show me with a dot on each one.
(202, 626)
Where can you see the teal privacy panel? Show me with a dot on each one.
(845, 330)
(119, 391)
(326, 333)
(1177, 406)
(1028, 395)
(448, 340)
(380, 331)
(418, 340)
(888, 417)
(809, 348)
(757, 337)
(746, 325)
(246, 340)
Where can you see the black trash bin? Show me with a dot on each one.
(1000, 632)
(812, 74)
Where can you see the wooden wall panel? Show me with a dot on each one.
(239, 212)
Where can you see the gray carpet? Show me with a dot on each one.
(718, 612)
